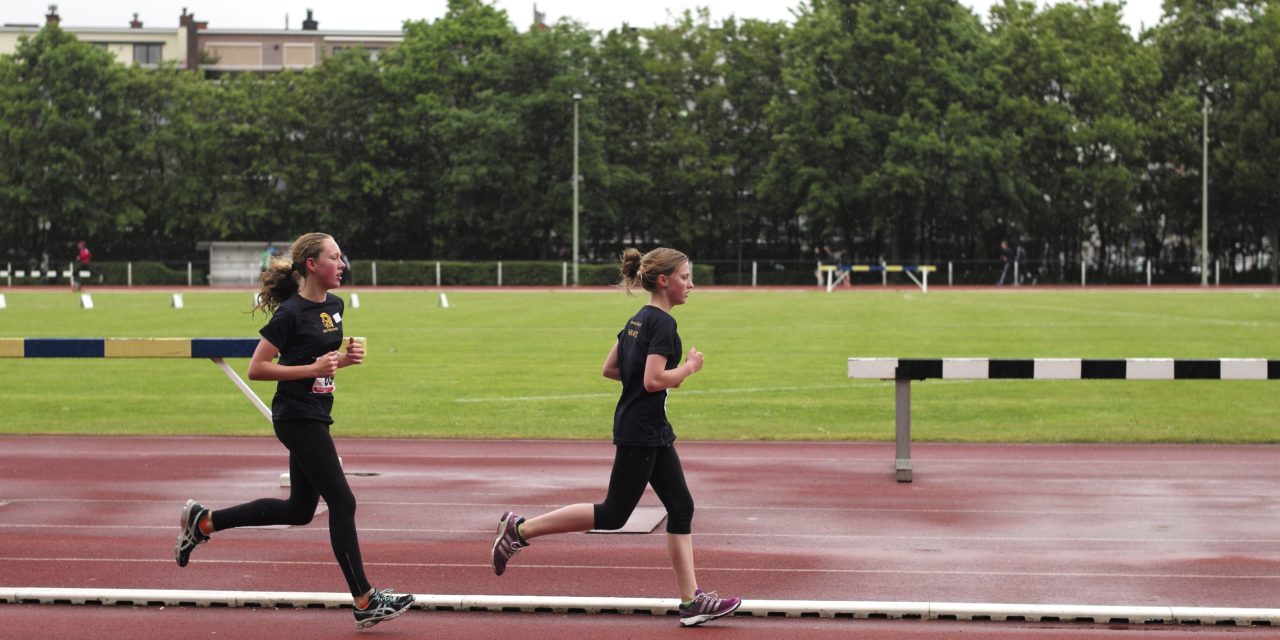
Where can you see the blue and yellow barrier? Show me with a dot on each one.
(215, 349)
(835, 275)
(127, 347)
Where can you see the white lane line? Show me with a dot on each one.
(320, 531)
(701, 457)
(1231, 509)
(1136, 315)
(689, 392)
(667, 568)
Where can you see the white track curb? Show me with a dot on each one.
(664, 606)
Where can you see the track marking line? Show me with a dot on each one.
(1230, 508)
(666, 568)
(690, 392)
(1145, 541)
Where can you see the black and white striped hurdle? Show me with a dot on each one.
(903, 370)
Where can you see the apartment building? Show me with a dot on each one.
(192, 44)
(263, 50)
(147, 46)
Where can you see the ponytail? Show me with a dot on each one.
(283, 276)
(643, 270)
(278, 283)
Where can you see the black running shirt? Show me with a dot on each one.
(641, 417)
(302, 331)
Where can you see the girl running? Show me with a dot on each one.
(646, 359)
(305, 331)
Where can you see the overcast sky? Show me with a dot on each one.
(389, 14)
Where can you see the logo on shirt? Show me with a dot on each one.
(327, 321)
(634, 333)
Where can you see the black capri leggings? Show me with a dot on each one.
(633, 468)
(314, 472)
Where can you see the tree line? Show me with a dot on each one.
(902, 130)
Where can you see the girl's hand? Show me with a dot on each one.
(325, 365)
(355, 351)
(694, 360)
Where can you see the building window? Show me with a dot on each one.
(299, 55)
(147, 53)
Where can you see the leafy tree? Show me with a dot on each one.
(63, 125)
(1080, 88)
(336, 174)
(1255, 146)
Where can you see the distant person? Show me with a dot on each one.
(1020, 264)
(844, 269)
(81, 271)
(646, 360)
(267, 255)
(1006, 257)
(305, 331)
(824, 257)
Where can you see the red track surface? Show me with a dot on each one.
(860, 286)
(1114, 525)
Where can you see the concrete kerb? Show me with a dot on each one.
(851, 609)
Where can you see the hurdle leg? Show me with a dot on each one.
(902, 418)
(923, 287)
(257, 402)
(244, 388)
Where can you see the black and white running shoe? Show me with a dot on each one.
(190, 537)
(383, 605)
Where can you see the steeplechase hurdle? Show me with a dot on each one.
(834, 275)
(9, 274)
(215, 349)
(903, 371)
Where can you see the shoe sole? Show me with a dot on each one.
(365, 624)
(697, 620)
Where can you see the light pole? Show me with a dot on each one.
(1204, 193)
(577, 97)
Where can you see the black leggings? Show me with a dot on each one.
(314, 472)
(633, 468)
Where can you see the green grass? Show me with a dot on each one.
(526, 364)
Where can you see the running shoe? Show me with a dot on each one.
(508, 542)
(383, 605)
(190, 537)
(707, 606)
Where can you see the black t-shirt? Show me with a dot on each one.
(302, 331)
(641, 417)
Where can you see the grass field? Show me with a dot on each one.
(526, 365)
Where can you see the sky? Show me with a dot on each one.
(387, 15)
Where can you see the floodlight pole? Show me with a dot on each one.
(577, 97)
(1204, 197)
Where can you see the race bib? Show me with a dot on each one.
(322, 385)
